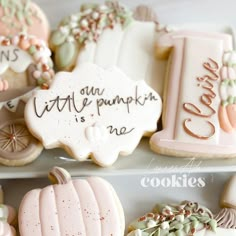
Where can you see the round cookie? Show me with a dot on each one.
(25, 66)
(23, 16)
(71, 207)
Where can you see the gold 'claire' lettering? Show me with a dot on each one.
(206, 99)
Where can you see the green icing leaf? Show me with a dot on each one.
(179, 233)
(32, 49)
(57, 38)
(182, 220)
(19, 15)
(179, 226)
(66, 54)
(213, 225)
(230, 100)
(187, 228)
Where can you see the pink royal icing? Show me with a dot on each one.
(191, 118)
(73, 208)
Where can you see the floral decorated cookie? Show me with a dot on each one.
(108, 35)
(77, 30)
(25, 66)
(23, 16)
(24, 61)
(85, 207)
(189, 218)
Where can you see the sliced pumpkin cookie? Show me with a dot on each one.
(71, 207)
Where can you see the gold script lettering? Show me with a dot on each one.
(191, 133)
(205, 82)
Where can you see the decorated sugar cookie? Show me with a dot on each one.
(25, 65)
(7, 219)
(24, 61)
(72, 207)
(198, 116)
(94, 112)
(189, 218)
(108, 35)
(23, 16)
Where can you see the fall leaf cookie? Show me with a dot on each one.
(85, 207)
(23, 16)
(25, 66)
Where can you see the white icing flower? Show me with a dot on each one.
(103, 8)
(165, 225)
(76, 31)
(87, 12)
(73, 25)
(229, 58)
(74, 18)
(180, 218)
(84, 23)
(65, 30)
(95, 15)
(70, 39)
(151, 223)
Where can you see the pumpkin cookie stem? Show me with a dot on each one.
(58, 175)
(145, 13)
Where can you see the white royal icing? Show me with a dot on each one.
(14, 58)
(131, 49)
(92, 110)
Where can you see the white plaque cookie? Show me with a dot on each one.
(94, 112)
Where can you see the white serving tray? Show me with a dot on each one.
(142, 161)
(180, 14)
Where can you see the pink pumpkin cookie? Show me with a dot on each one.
(7, 218)
(23, 16)
(85, 207)
(199, 102)
(25, 66)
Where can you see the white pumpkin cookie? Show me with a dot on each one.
(108, 35)
(85, 207)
